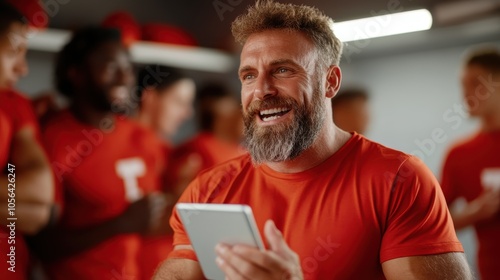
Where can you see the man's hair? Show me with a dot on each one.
(8, 16)
(268, 15)
(83, 43)
(206, 98)
(487, 58)
(349, 95)
(158, 77)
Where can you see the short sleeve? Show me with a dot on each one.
(418, 221)
(180, 235)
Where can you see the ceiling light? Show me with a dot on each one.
(193, 58)
(383, 25)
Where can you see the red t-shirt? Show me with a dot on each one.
(471, 166)
(364, 205)
(16, 114)
(99, 173)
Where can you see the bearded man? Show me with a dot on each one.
(331, 205)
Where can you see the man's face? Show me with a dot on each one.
(13, 47)
(174, 106)
(481, 90)
(282, 94)
(108, 77)
(352, 115)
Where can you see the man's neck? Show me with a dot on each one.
(91, 116)
(491, 122)
(330, 140)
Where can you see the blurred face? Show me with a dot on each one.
(352, 115)
(481, 90)
(174, 106)
(13, 47)
(283, 101)
(228, 117)
(108, 77)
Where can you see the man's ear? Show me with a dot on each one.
(333, 81)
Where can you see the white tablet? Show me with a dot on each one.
(210, 224)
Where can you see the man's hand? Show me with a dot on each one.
(486, 205)
(148, 216)
(244, 262)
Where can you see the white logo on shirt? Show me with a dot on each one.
(490, 178)
(129, 170)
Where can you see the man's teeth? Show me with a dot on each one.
(272, 111)
(272, 114)
(266, 119)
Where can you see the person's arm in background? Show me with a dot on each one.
(144, 216)
(485, 207)
(34, 187)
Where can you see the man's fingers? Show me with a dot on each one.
(259, 258)
(234, 266)
(275, 240)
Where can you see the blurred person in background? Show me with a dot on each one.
(165, 98)
(26, 180)
(221, 130)
(108, 168)
(350, 110)
(472, 167)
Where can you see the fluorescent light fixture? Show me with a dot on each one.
(383, 25)
(48, 40)
(193, 58)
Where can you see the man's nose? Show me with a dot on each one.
(264, 87)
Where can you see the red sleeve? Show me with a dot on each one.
(418, 221)
(448, 184)
(180, 235)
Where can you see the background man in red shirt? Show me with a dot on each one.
(108, 168)
(331, 205)
(472, 167)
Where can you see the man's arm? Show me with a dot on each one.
(179, 269)
(452, 266)
(34, 186)
(56, 242)
(485, 207)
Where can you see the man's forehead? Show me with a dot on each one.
(277, 45)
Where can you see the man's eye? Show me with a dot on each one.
(282, 70)
(248, 76)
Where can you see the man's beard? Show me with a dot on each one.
(287, 140)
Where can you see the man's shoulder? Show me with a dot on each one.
(372, 153)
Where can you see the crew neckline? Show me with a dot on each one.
(314, 171)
